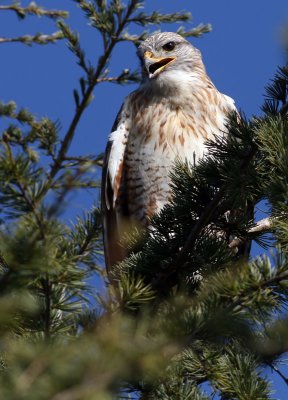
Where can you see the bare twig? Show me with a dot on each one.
(277, 370)
(83, 160)
(263, 225)
(109, 79)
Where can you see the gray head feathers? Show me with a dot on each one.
(157, 40)
(169, 54)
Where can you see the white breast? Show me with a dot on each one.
(162, 131)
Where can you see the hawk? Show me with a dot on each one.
(175, 110)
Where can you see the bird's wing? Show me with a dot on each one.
(230, 103)
(112, 182)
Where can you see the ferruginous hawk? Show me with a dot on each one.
(170, 116)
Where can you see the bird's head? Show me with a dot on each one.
(166, 55)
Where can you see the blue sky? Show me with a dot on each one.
(241, 55)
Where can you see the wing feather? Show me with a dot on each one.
(112, 187)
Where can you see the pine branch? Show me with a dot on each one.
(69, 180)
(125, 77)
(265, 283)
(33, 9)
(39, 38)
(155, 17)
(46, 285)
(277, 93)
(284, 109)
(198, 31)
(85, 244)
(92, 231)
(85, 160)
(257, 283)
(201, 222)
(88, 93)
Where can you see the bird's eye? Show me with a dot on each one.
(169, 46)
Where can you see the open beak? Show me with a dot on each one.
(155, 65)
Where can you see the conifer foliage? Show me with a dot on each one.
(188, 306)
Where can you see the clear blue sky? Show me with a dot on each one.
(241, 55)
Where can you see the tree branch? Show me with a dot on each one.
(88, 94)
(39, 38)
(82, 160)
(263, 225)
(46, 285)
(284, 109)
(34, 9)
(203, 220)
(262, 285)
(277, 370)
(198, 226)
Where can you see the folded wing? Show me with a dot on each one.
(113, 191)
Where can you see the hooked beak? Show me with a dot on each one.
(155, 65)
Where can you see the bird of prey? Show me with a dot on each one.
(175, 110)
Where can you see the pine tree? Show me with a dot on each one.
(188, 306)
